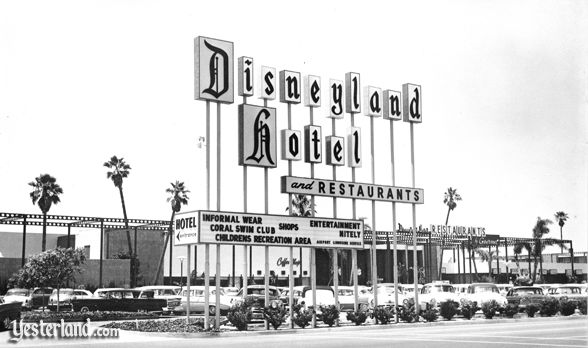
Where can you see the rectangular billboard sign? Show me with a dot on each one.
(357, 190)
(212, 227)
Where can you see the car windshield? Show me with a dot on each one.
(437, 288)
(196, 292)
(18, 292)
(528, 291)
(484, 288)
(345, 292)
(569, 290)
(164, 292)
(261, 291)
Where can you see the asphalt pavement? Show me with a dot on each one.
(531, 332)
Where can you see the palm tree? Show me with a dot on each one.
(46, 192)
(179, 196)
(120, 171)
(561, 218)
(488, 256)
(301, 206)
(473, 245)
(450, 198)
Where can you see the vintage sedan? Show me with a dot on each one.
(65, 297)
(347, 298)
(166, 292)
(40, 297)
(436, 293)
(485, 292)
(19, 295)
(124, 300)
(525, 295)
(387, 296)
(572, 292)
(256, 296)
(197, 301)
(9, 312)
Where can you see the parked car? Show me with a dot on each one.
(125, 300)
(40, 297)
(571, 291)
(504, 288)
(65, 298)
(170, 293)
(19, 295)
(386, 295)
(256, 297)
(460, 290)
(231, 291)
(197, 301)
(437, 292)
(485, 292)
(9, 311)
(346, 296)
(525, 295)
(408, 289)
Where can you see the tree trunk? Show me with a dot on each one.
(57, 298)
(131, 255)
(441, 260)
(561, 237)
(162, 256)
(44, 238)
(473, 257)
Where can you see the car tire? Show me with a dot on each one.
(363, 306)
(84, 309)
(5, 324)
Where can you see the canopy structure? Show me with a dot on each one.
(86, 222)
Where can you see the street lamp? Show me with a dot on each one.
(181, 258)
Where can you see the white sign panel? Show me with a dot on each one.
(245, 80)
(313, 144)
(291, 145)
(336, 99)
(268, 83)
(257, 136)
(290, 87)
(186, 228)
(354, 147)
(279, 230)
(335, 151)
(392, 105)
(412, 103)
(312, 91)
(357, 190)
(373, 101)
(352, 92)
(213, 70)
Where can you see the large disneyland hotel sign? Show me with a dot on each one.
(258, 134)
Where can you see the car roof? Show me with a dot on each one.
(156, 287)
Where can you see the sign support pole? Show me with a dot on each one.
(415, 268)
(188, 284)
(266, 248)
(354, 251)
(218, 208)
(374, 229)
(394, 234)
(207, 246)
(291, 265)
(312, 250)
(245, 280)
(335, 252)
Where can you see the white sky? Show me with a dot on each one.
(504, 102)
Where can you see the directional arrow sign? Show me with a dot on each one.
(186, 228)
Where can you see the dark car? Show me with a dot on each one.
(525, 295)
(8, 313)
(40, 297)
(123, 300)
(256, 297)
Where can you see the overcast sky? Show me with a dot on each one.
(504, 102)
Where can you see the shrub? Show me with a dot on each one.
(511, 309)
(468, 308)
(531, 309)
(330, 314)
(302, 317)
(567, 307)
(549, 307)
(489, 309)
(275, 315)
(239, 315)
(407, 311)
(358, 317)
(448, 309)
(582, 305)
(383, 314)
(170, 325)
(430, 313)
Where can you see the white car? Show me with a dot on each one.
(461, 290)
(387, 296)
(197, 301)
(19, 295)
(485, 292)
(66, 296)
(571, 291)
(437, 292)
(346, 296)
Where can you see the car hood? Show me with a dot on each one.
(15, 298)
